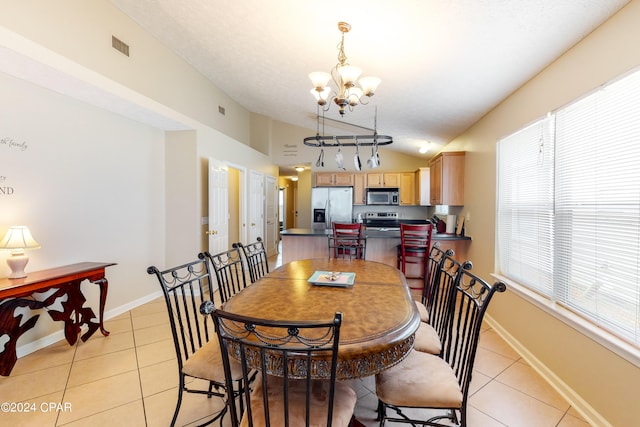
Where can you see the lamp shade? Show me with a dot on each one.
(319, 79)
(17, 239)
(369, 85)
(321, 96)
(349, 74)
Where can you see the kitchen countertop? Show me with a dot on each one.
(371, 234)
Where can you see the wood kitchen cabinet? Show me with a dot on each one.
(446, 172)
(383, 179)
(407, 188)
(423, 179)
(333, 179)
(360, 189)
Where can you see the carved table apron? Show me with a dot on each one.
(16, 293)
(379, 315)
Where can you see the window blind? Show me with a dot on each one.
(568, 208)
(525, 206)
(598, 207)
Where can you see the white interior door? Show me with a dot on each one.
(218, 207)
(271, 215)
(256, 205)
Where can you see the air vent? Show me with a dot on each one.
(119, 45)
(221, 110)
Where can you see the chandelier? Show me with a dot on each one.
(344, 76)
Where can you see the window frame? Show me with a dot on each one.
(550, 300)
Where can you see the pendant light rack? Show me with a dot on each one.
(345, 140)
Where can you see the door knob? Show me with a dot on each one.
(211, 232)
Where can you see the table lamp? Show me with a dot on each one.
(17, 239)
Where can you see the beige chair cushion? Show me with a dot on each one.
(344, 403)
(424, 313)
(421, 380)
(206, 363)
(427, 340)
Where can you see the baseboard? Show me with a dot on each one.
(53, 338)
(592, 416)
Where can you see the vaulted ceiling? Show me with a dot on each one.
(443, 64)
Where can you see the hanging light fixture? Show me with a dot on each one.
(345, 77)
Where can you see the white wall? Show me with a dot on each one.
(90, 186)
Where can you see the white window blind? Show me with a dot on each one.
(568, 211)
(525, 206)
(598, 207)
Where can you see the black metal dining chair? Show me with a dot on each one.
(185, 288)
(427, 381)
(297, 362)
(431, 335)
(229, 270)
(432, 273)
(255, 255)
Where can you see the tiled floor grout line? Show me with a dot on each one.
(135, 346)
(66, 384)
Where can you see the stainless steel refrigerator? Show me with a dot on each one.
(331, 204)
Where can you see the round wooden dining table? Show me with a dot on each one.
(379, 316)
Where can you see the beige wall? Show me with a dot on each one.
(91, 187)
(213, 144)
(96, 186)
(604, 385)
(290, 191)
(151, 70)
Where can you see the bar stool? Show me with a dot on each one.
(348, 241)
(415, 240)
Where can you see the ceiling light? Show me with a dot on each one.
(423, 149)
(299, 168)
(293, 178)
(345, 77)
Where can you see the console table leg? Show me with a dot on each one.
(10, 326)
(104, 286)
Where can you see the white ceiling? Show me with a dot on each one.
(443, 63)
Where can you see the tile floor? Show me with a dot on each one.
(130, 379)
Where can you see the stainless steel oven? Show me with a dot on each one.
(383, 196)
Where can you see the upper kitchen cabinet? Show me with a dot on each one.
(333, 179)
(447, 179)
(384, 180)
(407, 188)
(359, 189)
(423, 179)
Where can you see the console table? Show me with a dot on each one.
(19, 293)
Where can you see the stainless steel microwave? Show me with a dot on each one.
(383, 196)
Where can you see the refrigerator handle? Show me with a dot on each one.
(327, 217)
